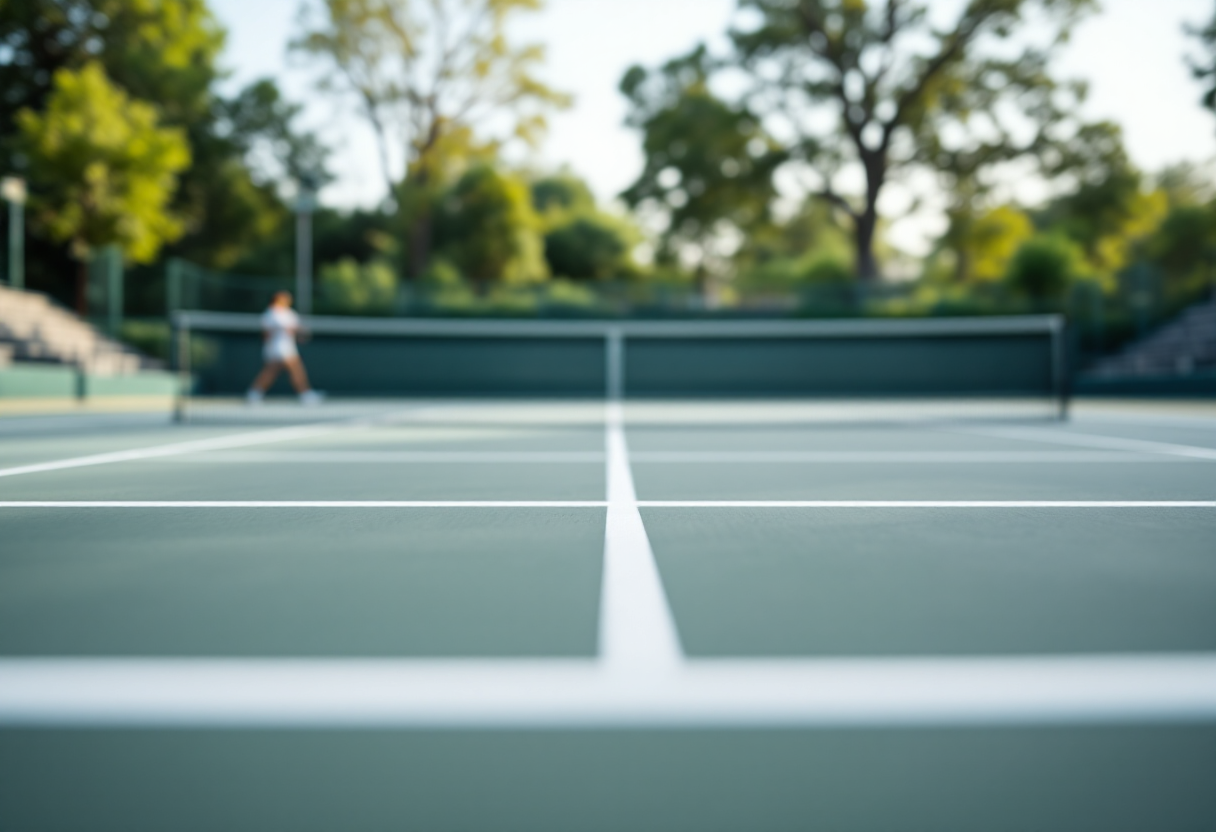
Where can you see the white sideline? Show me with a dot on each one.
(304, 504)
(1091, 440)
(893, 457)
(672, 457)
(1082, 689)
(927, 503)
(601, 503)
(391, 457)
(637, 632)
(239, 440)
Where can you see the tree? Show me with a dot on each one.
(906, 91)
(709, 164)
(426, 72)
(486, 227)
(983, 243)
(102, 168)
(1044, 266)
(1204, 67)
(589, 247)
(581, 241)
(160, 51)
(1111, 208)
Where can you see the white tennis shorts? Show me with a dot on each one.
(279, 349)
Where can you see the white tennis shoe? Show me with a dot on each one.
(311, 398)
(254, 398)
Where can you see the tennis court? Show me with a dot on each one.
(610, 613)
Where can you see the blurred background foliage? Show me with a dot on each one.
(114, 112)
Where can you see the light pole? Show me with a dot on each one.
(306, 203)
(13, 191)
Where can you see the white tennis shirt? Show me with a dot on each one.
(280, 325)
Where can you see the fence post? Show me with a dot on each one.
(614, 343)
(114, 289)
(173, 287)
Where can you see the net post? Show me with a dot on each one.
(179, 351)
(1059, 358)
(614, 344)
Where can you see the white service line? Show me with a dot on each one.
(1090, 440)
(391, 457)
(637, 632)
(239, 440)
(623, 524)
(890, 457)
(927, 503)
(302, 504)
(256, 693)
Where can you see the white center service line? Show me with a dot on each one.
(637, 631)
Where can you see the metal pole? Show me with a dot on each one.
(304, 262)
(16, 245)
(179, 350)
(615, 346)
(1059, 359)
(14, 193)
(114, 289)
(306, 203)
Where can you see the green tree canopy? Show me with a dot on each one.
(486, 227)
(709, 164)
(1044, 267)
(103, 169)
(160, 51)
(905, 89)
(424, 74)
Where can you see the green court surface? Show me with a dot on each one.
(537, 616)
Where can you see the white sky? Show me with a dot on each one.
(1130, 53)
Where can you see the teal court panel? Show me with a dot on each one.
(177, 478)
(1053, 779)
(1178, 479)
(300, 583)
(937, 582)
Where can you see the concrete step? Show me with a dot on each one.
(38, 330)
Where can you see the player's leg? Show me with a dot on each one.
(257, 390)
(299, 376)
(299, 380)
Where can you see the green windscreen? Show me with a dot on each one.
(689, 359)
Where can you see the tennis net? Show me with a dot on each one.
(999, 358)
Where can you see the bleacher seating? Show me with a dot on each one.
(1184, 346)
(35, 329)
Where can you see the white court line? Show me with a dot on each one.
(665, 457)
(391, 457)
(194, 446)
(625, 529)
(303, 504)
(927, 503)
(1090, 440)
(889, 457)
(637, 632)
(1079, 689)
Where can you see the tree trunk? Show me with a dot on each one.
(82, 288)
(867, 221)
(867, 264)
(421, 232)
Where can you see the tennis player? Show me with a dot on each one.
(280, 326)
